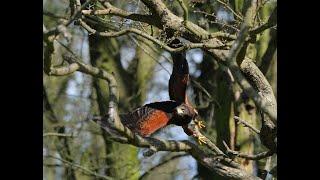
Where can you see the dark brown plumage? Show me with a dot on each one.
(179, 78)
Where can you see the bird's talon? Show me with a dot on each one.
(199, 123)
(201, 139)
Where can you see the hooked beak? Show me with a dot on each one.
(196, 113)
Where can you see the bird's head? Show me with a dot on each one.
(183, 114)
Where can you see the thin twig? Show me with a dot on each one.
(83, 169)
(57, 134)
(246, 124)
(149, 54)
(272, 21)
(228, 7)
(247, 156)
(52, 15)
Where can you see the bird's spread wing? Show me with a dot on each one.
(179, 78)
(149, 118)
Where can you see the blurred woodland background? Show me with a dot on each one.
(76, 148)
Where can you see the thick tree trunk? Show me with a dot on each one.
(104, 53)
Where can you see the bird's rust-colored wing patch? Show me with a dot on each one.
(156, 120)
(145, 120)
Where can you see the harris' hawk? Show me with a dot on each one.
(151, 117)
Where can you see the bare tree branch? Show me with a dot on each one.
(151, 38)
(261, 84)
(62, 71)
(248, 156)
(267, 57)
(57, 134)
(272, 21)
(52, 15)
(230, 9)
(246, 124)
(111, 10)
